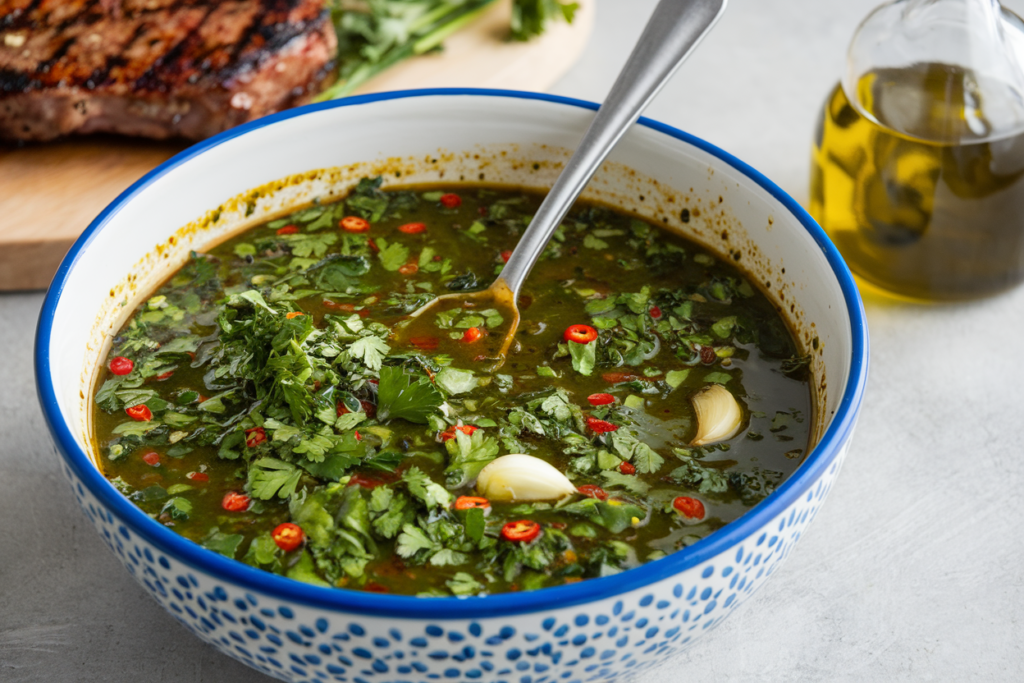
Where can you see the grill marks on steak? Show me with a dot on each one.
(158, 68)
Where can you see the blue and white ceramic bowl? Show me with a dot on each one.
(595, 630)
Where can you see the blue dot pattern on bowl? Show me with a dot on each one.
(598, 641)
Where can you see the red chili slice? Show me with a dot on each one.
(506, 255)
(165, 375)
(627, 468)
(288, 536)
(288, 230)
(198, 476)
(139, 413)
(600, 426)
(354, 224)
(655, 312)
(471, 335)
(119, 365)
(522, 531)
(581, 334)
(359, 437)
(293, 314)
(233, 501)
(451, 201)
(413, 228)
(425, 343)
(601, 399)
(409, 269)
(372, 245)
(593, 491)
(152, 459)
(255, 436)
(691, 508)
(471, 502)
(449, 434)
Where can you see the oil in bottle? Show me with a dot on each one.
(918, 196)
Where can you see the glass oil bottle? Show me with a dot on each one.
(918, 161)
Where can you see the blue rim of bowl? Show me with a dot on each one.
(497, 605)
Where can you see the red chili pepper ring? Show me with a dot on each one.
(581, 334)
(522, 531)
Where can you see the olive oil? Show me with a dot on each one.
(922, 198)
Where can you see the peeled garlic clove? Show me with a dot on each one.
(518, 477)
(719, 416)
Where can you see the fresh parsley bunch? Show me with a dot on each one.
(374, 35)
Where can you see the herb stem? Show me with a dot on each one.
(425, 33)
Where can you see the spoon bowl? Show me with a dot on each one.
(419, 330)
(673, 31)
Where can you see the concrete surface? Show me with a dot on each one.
(914, 569)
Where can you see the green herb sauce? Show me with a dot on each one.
(323, 421)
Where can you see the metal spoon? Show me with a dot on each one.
(671, 34)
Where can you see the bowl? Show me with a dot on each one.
(593, 630)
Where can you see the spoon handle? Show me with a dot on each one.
(672, 32)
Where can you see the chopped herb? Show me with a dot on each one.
(398, 396)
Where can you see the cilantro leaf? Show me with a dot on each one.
(380, 498)
(614, 515)
(337, 272)
(225, 544)
(388, 461)
(698, 476)
(399, 513)
(179, 508)
(674, 378)
(370, 350)
(270, 476)
(446, 557)
(753, 487)
(584, 357)
(456, 381)
(627, 481)
(723, 328)
(475, 524)
(263, 552)
(305, 570)
(412, 540)
(645, 458)
(398, 396)
(420, 485)
(465, 282)
(468, 455)
(392, 256)
(349, 421)
(306, 245)
(530, 16)
(464, 584)
(331, 468)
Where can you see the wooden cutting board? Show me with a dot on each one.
(49, 193)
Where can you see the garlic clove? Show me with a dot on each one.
(719, 416)
(518, 477)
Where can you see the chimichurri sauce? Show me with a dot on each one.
(259, 404)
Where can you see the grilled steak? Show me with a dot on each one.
(156, 68)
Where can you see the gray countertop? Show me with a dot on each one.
(914, 570)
